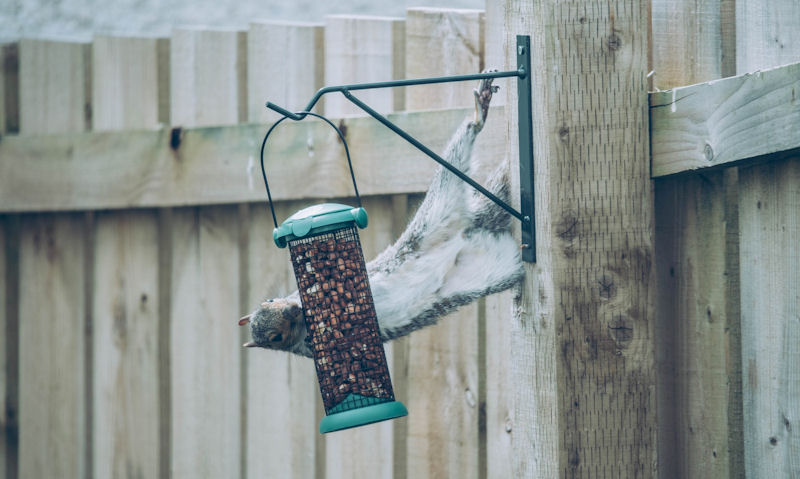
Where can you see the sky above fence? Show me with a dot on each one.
(82, 18)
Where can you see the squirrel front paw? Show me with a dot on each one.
(483, 96)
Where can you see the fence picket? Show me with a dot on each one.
(358, 50)
(768, 35)
(53, 98)
(443, 370)
(207, 77)
(127, 86)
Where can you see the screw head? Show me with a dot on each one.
(526, 218)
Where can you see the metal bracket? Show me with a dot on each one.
(526, 216)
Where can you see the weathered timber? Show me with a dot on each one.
(582, 336)
(220, 164)
(723, 122)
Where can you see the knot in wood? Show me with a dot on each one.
(621, 331)
(614, 42)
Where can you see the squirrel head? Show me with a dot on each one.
(276, 324)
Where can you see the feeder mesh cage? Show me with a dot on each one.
(340, 320)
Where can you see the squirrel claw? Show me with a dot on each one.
(483, 96)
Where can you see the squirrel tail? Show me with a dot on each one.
(485, 214)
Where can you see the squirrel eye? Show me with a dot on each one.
(276, 338)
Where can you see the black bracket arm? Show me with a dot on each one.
(522, 73)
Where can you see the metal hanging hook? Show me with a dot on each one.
(299, 116)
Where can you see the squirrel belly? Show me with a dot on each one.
(457, 249)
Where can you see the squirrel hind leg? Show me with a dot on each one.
(487, 215)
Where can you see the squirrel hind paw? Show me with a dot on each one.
(483, 96)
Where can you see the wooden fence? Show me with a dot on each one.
(133, 234)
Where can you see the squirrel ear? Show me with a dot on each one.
(294, 310)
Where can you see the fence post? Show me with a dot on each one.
(584, 371)
(768, 35)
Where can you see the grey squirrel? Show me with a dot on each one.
(456, 249)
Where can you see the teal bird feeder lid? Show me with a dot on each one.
(318, 219)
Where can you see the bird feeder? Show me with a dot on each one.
(341, 324)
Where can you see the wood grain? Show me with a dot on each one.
(281, 388)
(205, 343)
(443, 368)
(128, 86)
(285, 65)
(208, 87)
(127, 83)
(207, 77)
(9, 88)
(54, 87)
(362, 49)
(442, 42)
(125, 337)
(220, 165)
(768, 35)
(698, 328)
(52, 376)
(584, 375)
(53, 382)
(725, 121)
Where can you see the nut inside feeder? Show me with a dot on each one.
(341, 323)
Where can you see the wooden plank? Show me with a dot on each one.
(499, 378)
(52, 380)
(346, 453)
(443, 360)
(770, 265)
(54, 88)
(9, 88)
(125, 337)
(204, 347)
(5, 446)
(208, 87)
(698, 352)
(127, 89)
(769, 197)
(281, 388)
(494, 45)
(285, 65)
(726, 121)
(207, 77)
(219, 165)
(126, 83)
(361, 49)
(53, 383)
(441, 42)
(584, 377)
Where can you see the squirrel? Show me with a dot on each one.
(457, 248)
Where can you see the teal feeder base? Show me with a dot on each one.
(362, 416)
